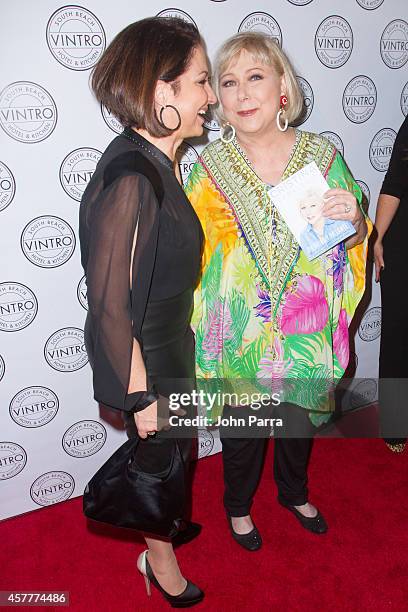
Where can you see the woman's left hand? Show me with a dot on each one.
(342, 205)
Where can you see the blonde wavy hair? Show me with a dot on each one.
(265, 50)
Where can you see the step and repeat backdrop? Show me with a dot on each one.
(351, 59)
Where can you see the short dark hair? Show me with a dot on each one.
(125, 77)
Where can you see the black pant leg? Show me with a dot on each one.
(243, 460)
(292, 454)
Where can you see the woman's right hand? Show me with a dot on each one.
(378, 258)
(146, 420)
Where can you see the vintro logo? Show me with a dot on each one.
(75, 37)
(262, 22)
(27, 112)
(334, 41)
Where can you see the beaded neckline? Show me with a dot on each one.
(148, 147)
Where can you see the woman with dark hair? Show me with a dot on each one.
(391, 219)
(141, 250)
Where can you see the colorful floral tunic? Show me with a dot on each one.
(264, 312)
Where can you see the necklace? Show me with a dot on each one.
(147, 146)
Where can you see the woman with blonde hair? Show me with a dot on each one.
(265, 316)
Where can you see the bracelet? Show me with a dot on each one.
(135, 402)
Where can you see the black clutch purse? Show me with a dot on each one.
(122, 495)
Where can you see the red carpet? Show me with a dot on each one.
(360, 564)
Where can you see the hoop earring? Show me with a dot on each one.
(160, 118)
(232, 134)
(278, 123)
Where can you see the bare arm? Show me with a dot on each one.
(387, 207)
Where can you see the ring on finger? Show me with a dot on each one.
(151, 433)
(347, 208)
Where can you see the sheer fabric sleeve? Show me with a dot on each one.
(115, 316)
(396, 180)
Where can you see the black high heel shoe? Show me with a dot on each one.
(189, 597)
(315, 524)
(250, 541)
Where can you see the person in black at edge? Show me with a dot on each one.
(391, 222)
(141, 246)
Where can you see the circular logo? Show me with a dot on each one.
(13, 458)
(84, 439)
(334, 41)
(262, 22)
(365, 189)
(205, 443)
(300, 2)
(186, 157)
(2, 367)
(381, 149)
(175, 12)
(394, 44)
(52, 488)
(359, 99)
(27, 112)
(18, 306)
(370, 5)
(82, 293)
(364, 393)
(7, 186)
(77, 169)
(211, 124)
(335, 140)
(111, 120)
(48, 241)
(34, 406)
(403, 101)
(65, 350)
(75, 37)
(370, 326)
(308, 99)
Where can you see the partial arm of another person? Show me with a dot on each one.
(395, 185)
(387, 206)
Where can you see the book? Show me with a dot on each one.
(299, 200)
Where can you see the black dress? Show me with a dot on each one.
(393, 369)
(134, 187)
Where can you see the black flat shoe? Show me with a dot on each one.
(189, 597)
(187, 532)
(250, 541)
(315, 524)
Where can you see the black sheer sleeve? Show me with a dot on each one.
(396, 180)
(127, 203)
